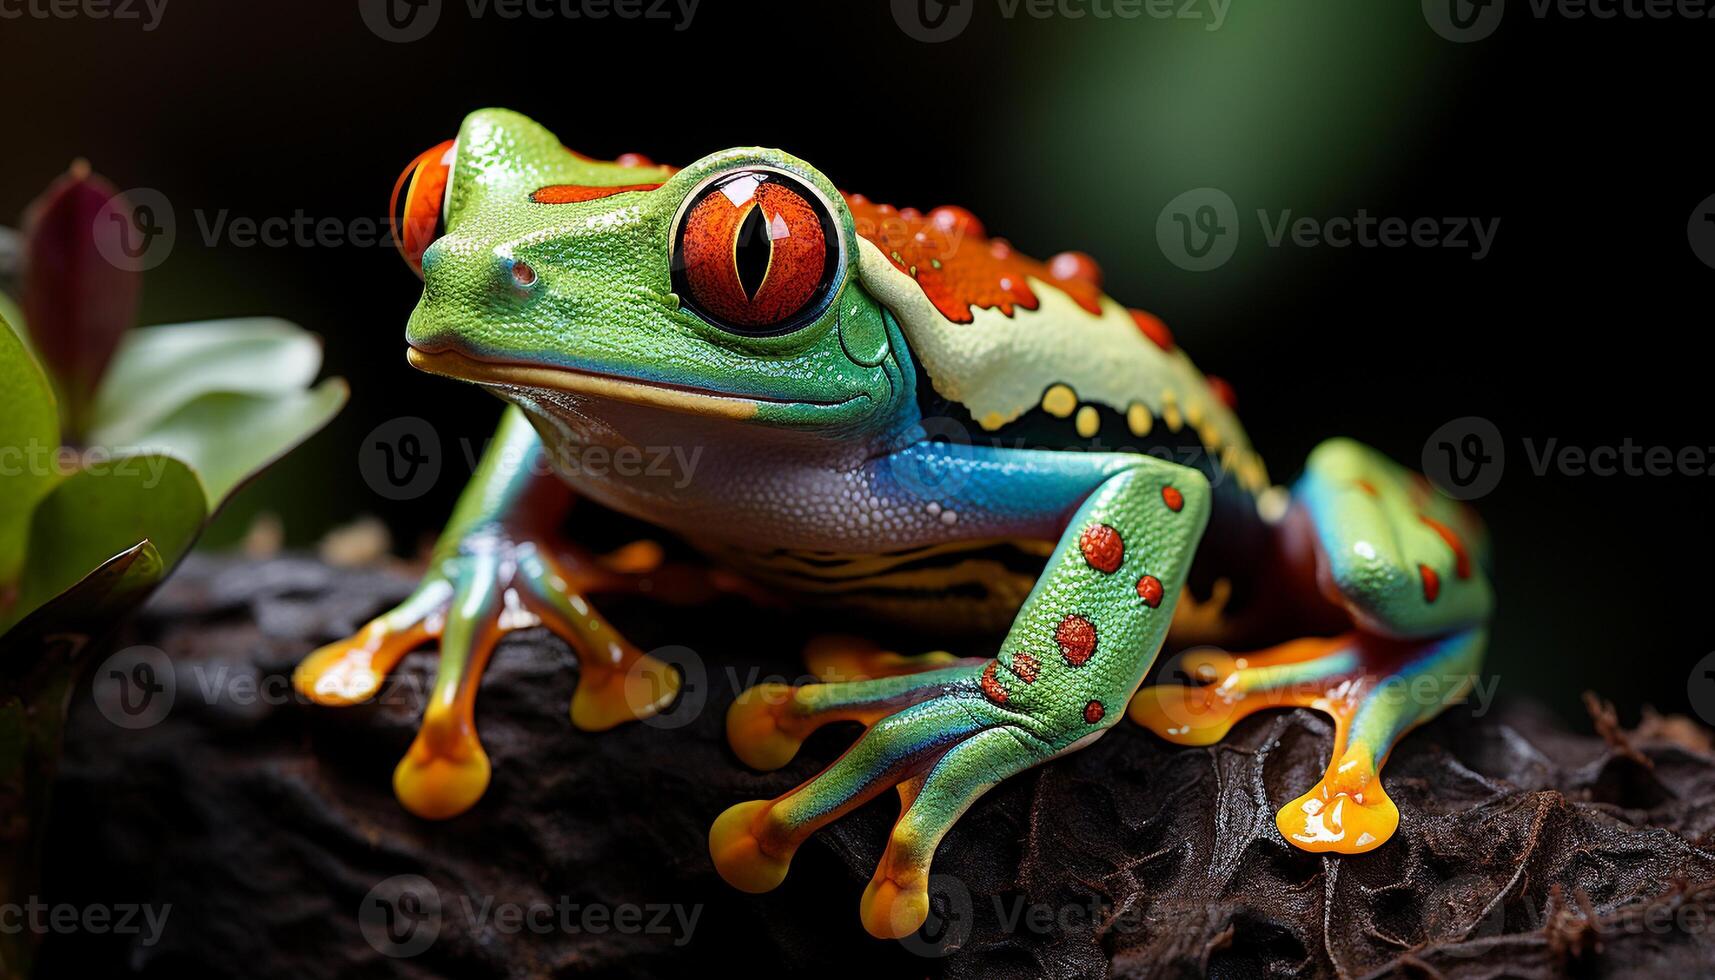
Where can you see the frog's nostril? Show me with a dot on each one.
(522, 274)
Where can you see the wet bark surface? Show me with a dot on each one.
(265, 831)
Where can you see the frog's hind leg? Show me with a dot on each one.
(1404, 563)
(1079, 647)
(1375, 689)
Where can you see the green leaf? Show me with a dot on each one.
(227, 437)
(80, 614)
(158, 370)
(29, 443)
(101, 511)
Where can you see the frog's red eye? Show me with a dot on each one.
(419, 203)
(756, 252)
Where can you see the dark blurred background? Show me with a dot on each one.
(1584, 322)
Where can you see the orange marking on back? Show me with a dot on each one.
(1152, 327)
(1461, 557)
(960, 269)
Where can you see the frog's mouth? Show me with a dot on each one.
(635, 391)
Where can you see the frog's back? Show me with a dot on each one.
(1034, 354)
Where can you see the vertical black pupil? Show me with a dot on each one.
(752, 251)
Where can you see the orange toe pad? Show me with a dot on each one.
(739, 856)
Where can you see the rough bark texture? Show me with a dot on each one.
(1524, 850)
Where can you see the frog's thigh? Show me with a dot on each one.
(1404, 560)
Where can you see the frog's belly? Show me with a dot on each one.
(953, 587)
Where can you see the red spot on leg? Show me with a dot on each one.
(1431, 583)
(1150, 591)
(1094, 712)
(1172, 498)
(1102, 547)
(991, 687)
(1461, 557)
(1077, 638)
(1026, 667)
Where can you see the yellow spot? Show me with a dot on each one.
(1170, 411)
(1059, 401)
(1089, 423)
(1140, 418)
(993, 420)
(1210, 435)
(1194, 414)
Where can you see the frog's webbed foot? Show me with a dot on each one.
(1405, 564)
(934, 735)
(493, 585)
(1374, 689)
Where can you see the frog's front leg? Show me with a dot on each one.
(497, 568)
(1404, 563)
(1077, 650)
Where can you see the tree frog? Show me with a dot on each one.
(895, 415)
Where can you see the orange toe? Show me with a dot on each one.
(738, 854)
(607, 697)
(756, 727)
(894, 910)
(1348, 812)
